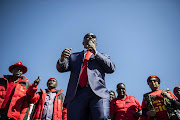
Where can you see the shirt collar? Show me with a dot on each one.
(52, 90)
(85, 50)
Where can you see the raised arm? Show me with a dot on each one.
(63, 62)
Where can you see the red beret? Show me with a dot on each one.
(51, 78)
(152, 76)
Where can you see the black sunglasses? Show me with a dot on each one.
(88, 36)
(150, 81)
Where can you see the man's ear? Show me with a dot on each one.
(83, 42)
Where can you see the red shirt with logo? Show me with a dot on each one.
(158, 103)
(124, 109)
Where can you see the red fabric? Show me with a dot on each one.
(124, 109)
(9, 93)
(18, 104)
(158, 103)
(59, 112)
(83, 75)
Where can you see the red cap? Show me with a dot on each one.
(18, 64)
(175, 89)
(152, 76)
(51, 78)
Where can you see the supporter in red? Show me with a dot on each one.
(175, 104)
(124, 107)
(13, 102)
(154, 105)
(112, 95)
(48, 102)
(177, 92)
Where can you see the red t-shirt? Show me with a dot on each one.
(124, 109)
(158, 103)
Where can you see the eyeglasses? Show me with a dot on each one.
(88, 36)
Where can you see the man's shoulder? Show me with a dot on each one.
(131, 97)
(77, 53)
(148, 93)
(113, 101)
(5, 78)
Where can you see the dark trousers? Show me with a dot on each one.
(88, 106)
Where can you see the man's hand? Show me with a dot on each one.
(92, 47)
(65, 54)
(37, 81)
(165, 94)
(151, 113)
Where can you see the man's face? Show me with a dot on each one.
(89, 39)
(153, 84)
(177, 93)
(17, 71)
(112, 95)
(121, 90)
(52, 84)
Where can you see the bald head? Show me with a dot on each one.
(89, 38)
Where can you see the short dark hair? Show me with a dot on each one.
(120, 84)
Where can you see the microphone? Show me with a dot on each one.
(90, 49)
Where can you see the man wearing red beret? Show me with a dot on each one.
(154, 105)
(13, 102)
(175, 104)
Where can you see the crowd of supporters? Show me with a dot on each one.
(16, 97)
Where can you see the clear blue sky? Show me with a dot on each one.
(141, 36)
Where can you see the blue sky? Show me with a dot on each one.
(142, 38)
